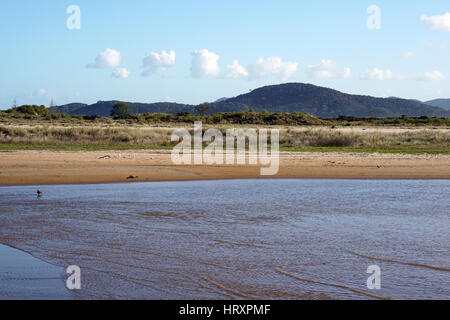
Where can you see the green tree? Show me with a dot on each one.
(121, 110)
(202, 109)
(31, 110)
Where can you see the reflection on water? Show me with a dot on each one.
(250, 239)
(25, 277)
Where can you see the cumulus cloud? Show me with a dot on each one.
(327, 69)
(377, 74)
(347, 73)
(273, 66)
(437, 23)
(155, 61)
(205, 64)
(324, 70)
(110, 58)
(120, 73)
(236, 71)
(432, 76)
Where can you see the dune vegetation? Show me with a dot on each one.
(291, 138)
(35, 127)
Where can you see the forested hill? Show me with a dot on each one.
(289, 97)
(441, 103)
(325, 103)
(103, 108)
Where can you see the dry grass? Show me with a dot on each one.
(86, 135)
(158, 136)
(336, 138)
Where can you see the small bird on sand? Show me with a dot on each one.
(132, 177)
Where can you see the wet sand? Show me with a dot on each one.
(81, 167)
(24, 277)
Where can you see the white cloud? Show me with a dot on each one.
(155, 61)
(205, 64)
(110, 58)
(437, 23)
(377, 74)
(328, 69)
(274, 66)
(408, 54)
(347, 73)
(324, 70)
(433, 76)
(236, 71)
(121, 73)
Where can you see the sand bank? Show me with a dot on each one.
(80, 167)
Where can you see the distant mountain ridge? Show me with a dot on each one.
(68, 108)
(440, 103)
(326, 103)
(103, 108)
(289, 97)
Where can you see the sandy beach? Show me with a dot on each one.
(82, 167)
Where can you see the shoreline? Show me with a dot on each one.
(213, 179)
(21, 168)
(25, 277)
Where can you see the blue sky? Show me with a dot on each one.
(191, 48)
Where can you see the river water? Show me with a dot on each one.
(240, 239)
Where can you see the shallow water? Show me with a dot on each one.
(240, 238)
(25, 277)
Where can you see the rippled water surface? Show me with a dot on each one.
(271, 239)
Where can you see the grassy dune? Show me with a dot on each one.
(319, 138)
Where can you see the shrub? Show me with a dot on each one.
(33, 110)
(121, 110)
(90, 117)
